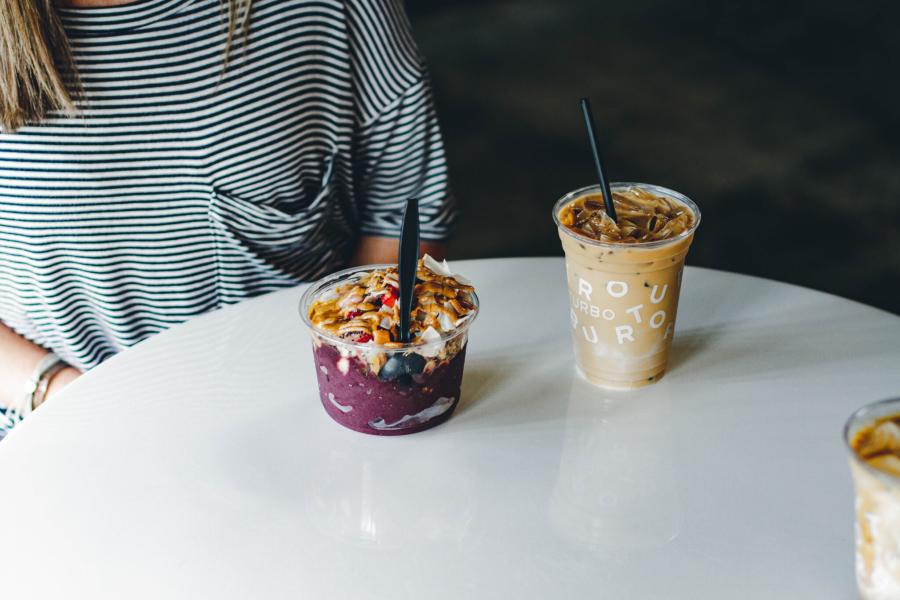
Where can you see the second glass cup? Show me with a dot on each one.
(876, 476)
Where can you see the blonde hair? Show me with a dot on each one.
(38, 74)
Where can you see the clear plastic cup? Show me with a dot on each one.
(359, 393)
(877, 512)
(623, 298)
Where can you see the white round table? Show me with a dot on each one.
(200, 464)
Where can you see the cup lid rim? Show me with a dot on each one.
(663, 191)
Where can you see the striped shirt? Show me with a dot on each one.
(179, 188)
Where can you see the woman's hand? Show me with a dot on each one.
(378, 250)
(60, 381)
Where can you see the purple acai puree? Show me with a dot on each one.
(361, 401)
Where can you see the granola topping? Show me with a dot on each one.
(366, 309)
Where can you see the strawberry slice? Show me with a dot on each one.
(364, 337)
(353, 314)
(390, 298)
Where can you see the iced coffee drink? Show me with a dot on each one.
(873, 435)
(624, 278)
(369, 380)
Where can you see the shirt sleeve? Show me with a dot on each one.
(398, 150)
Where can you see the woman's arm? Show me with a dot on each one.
(18, 359)
(376, 250)
(397, 149)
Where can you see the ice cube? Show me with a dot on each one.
(883, 438)
(888, 463)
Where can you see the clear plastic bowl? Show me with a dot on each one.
(352, 384)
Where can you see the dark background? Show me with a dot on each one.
(780, 119)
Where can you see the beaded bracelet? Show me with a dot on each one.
(36, 388)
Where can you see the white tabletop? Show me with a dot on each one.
(200, 464)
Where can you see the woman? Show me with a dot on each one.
(162, 158)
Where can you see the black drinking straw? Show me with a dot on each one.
(598, 162)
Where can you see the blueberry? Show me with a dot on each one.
(402, 365)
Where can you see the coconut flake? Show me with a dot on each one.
(343, 365)
(430, 335)
(443, 269)
(446, 323)
(432, 343)
(327, 296)
(350, 299)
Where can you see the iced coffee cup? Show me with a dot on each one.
(371, 382)
(873, 437)
(624, 278)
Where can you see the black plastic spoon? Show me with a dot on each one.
(400, 366)
(409, 264)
